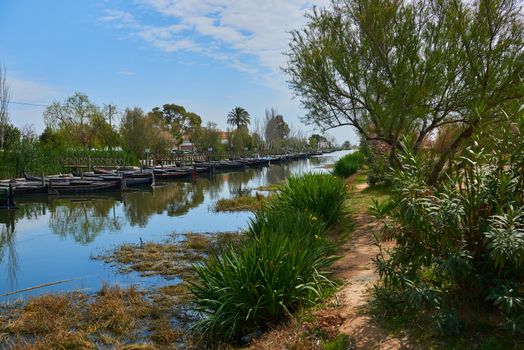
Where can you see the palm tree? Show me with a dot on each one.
(238, 117)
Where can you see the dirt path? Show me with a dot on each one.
(357, 270)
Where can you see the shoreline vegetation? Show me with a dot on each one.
(314, 320)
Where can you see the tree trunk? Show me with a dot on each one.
(437, 169)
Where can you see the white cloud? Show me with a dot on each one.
(250, 35)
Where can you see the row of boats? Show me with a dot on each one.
(124, 178)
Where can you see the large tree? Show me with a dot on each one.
(136, 131)
(404, 69)
(239, 118)
(180, 122)
(276, 129)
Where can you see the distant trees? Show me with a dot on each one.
(210, 136)
(177, 121)
(404, 69)
(239, 118)
(315, 139)
(276, 129)
(135, 130)
(81, 122)
(4, 105)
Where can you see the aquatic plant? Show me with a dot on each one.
(290, 222)
(349, 164)
(320, 195)
(241, 203)
(263, 281)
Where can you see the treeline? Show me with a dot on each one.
(77, 127)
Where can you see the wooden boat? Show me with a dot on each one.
(82, 186)
(22, 187)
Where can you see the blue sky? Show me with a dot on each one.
(207, 55)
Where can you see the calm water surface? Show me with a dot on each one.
(52, 239)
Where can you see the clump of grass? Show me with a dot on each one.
(349, 164)
(260, 282)
(117, 310)
(280, 268)
(242, 203)
(321, 195)
(290, 222)
(341, 342)
(269, 188)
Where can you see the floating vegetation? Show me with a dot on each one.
(114, 317)
(271, 188)
(171, 259)
(242, 203)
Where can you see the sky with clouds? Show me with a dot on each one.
(207, 55)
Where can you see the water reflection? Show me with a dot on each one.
(7, 242)
(54, 237)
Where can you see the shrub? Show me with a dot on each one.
(260, 282)
(461, 241)
(349, 164)
(320, 195)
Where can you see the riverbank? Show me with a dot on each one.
(350, 319)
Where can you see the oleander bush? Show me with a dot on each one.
(461, 242)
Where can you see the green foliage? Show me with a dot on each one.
(179, 122)
(406, 68)
(462, 241)
(320, 195)
(239, 118)
(276, 129)
(263, 281)
(282, 266)
(349, 164)
(210, 136)
(341, 342)
(291, 222)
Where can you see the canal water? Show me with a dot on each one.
(54, 239)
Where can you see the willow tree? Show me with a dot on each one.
(399, 70)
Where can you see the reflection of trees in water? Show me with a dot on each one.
(83, 220)
(237, 182)
(7, 242)
(176, 198)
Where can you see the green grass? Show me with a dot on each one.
(321, 195)
(261, 282)
(361, 200)
(341, 342)
(349, 164)
(280, 269)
